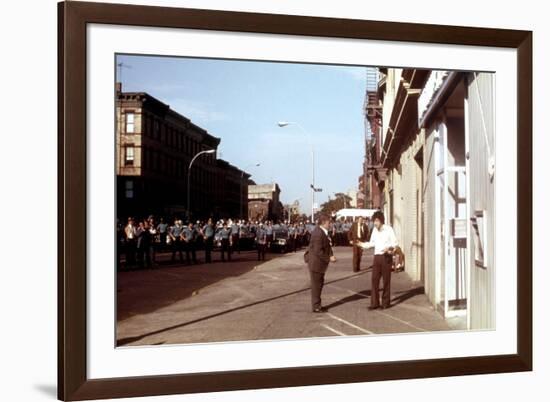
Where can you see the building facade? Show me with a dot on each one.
(154, 148)
(437, 142)
(372, 181)
(264, 202)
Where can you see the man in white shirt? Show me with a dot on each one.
(384, 241)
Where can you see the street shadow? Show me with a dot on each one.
(145, 291)
(47, 389)
(127, 340)
(362, 295)
(407, 295)
(400, 298)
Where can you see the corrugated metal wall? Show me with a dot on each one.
(480, 113)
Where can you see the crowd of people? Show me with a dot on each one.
(141, 240)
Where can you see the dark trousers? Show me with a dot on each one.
(381, 268)
(163, 237)
(130, 252)
(317, 280)
(190, 252)
(208, 245)
(177, 246)
(261, 251)
(357, 253)
(235, 241)
(292, 243)
(226, 249)
(144, 256)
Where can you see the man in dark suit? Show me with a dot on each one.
(359, 232)
(320, 255)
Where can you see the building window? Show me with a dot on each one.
(129, 189)
(157, 130)
(129, 155)
(130, 122)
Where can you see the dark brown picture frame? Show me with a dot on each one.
(73, 383)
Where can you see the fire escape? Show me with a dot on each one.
(374, 173)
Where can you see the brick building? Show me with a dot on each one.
(371, 183)
(154, 146)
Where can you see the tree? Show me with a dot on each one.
(332, 205)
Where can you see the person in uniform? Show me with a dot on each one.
(234, 227)
(130, 235)
(175, 233)
(189, 238)
(208, 236)
(144, 245)
(162, 229)
(292, 237)
(269, 234)
(225, 235)
(261, 242)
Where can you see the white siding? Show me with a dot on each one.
(431, 234)
(481, 195)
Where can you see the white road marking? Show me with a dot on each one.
(401, 321)
(269, 276)
(172, 274)
(333, 330)
(363, 330)
(379, 312)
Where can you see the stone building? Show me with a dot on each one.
(264, 202)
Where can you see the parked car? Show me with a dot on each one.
(246, 239)
(280, 240)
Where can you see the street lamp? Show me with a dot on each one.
(208, 151)
(242, 176)
(313, 189)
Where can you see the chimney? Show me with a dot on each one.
(118, 87)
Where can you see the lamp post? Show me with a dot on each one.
(242, 176)
(209, 151)
(313, 189)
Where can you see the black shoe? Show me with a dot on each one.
(356, 270)
(373, 307)
(320, 310)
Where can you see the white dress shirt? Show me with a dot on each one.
(381, 239)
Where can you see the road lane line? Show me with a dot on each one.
(363, 330)
(385, 314)
(402, 321)
(270, 276)
(333, 330)
(172, 274)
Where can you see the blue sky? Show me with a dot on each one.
(241, 103)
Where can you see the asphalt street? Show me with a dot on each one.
(250, 300)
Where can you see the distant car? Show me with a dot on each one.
(280, 240)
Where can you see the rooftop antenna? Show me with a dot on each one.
(120, 66)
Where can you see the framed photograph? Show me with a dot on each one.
(253, 200)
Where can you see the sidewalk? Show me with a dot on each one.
(247, 300)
